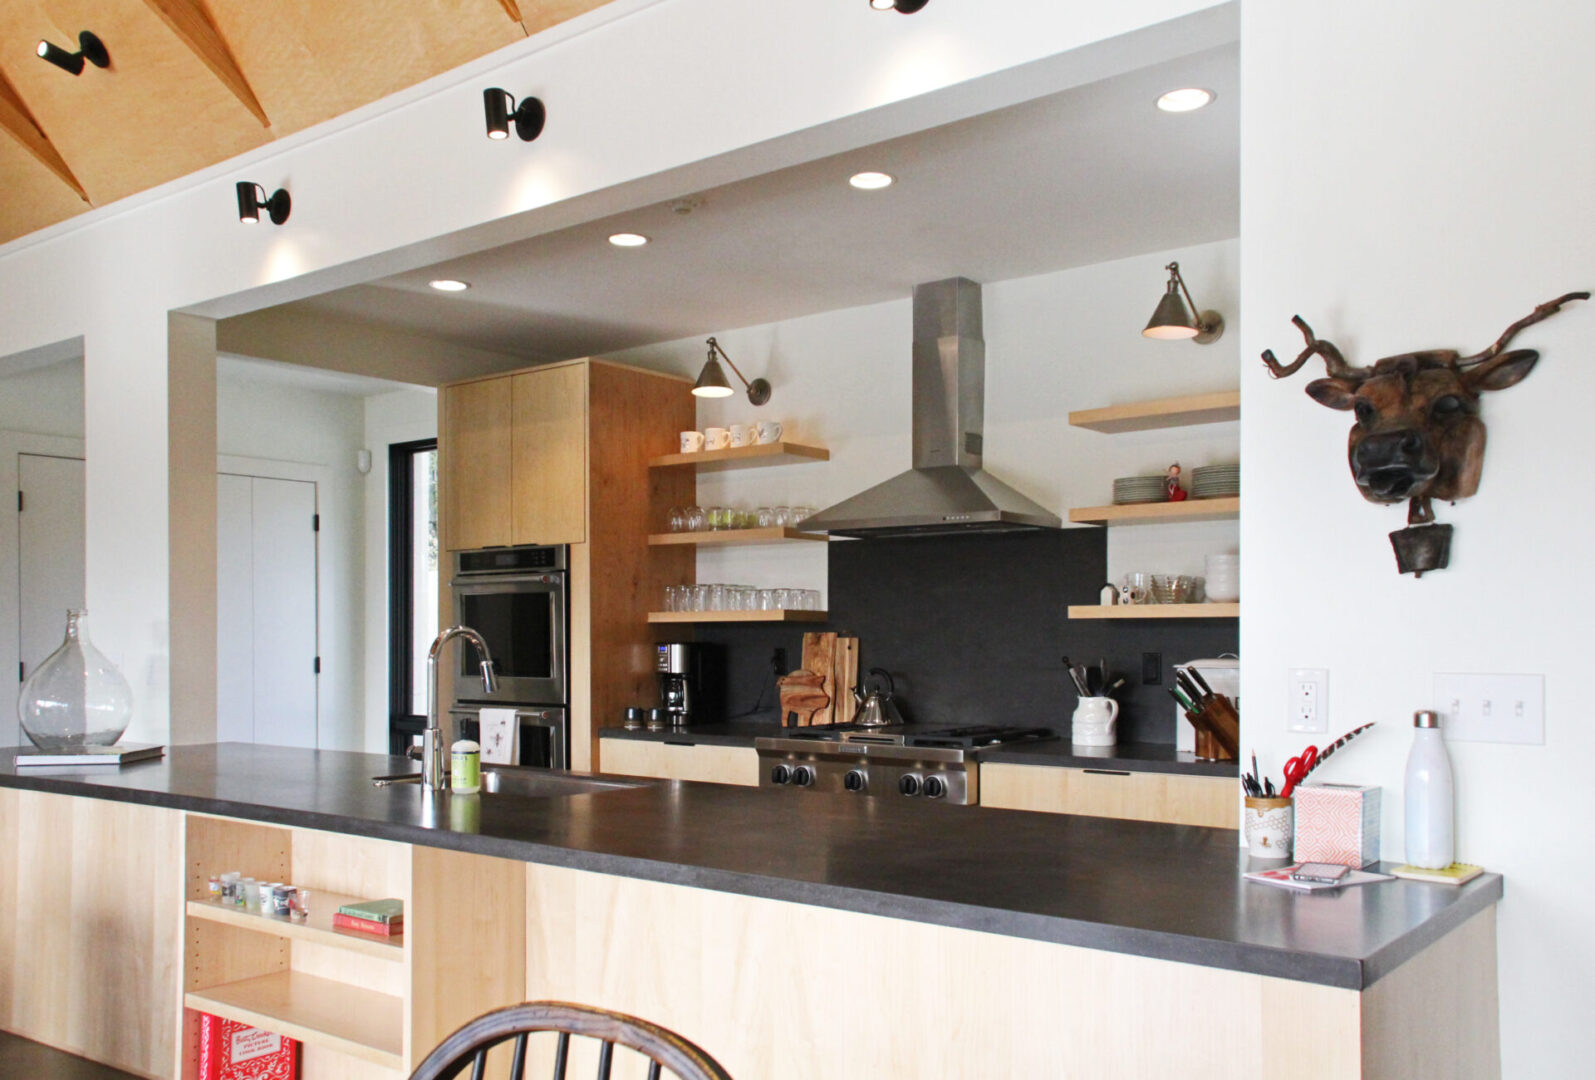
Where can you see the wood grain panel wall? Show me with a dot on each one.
(91, 920)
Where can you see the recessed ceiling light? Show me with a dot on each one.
(449, 285)
(628, 239)
(1187, 99)
(871, 181)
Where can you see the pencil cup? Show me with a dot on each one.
(1268, 827)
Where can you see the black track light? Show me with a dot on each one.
(902, 7)
(252, 199)
(500, 107)
(90, 48)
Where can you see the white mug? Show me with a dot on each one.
(1096, 722)
(769, 431)
(743, 434)
(716, 438)
(691, 442)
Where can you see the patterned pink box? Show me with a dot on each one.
(1337, 823)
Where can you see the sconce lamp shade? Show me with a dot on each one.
(1173, 319)
(712, 381)
(252, 199)
(906, 7)
(500, 108)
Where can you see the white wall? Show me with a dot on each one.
(629, 124)
(44, 401)
(1416, 176)
(1054, 343)
(396, 417)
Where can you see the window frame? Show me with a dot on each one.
(402, 723)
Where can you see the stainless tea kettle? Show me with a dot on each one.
(876, 709)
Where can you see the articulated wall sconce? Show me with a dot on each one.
(90, 48)
(712, 381)
(529, 115)
(1173, 321)
(902, 7)
(252, 199)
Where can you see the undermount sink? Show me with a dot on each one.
(531, 783)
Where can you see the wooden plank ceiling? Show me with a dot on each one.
(194, 82)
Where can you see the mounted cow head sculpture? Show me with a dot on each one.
(1418, 435)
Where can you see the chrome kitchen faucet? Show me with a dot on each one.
(432, 772)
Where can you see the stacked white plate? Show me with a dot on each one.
(1215, 481)
(1140, 489)
(1223, 579)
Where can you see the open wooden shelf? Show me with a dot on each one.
(736, 616)
(776, 453)
(1155, 611)
(317, 928)
(1155, 513)
(771, 535)
(321, 1012)
(1169, 412)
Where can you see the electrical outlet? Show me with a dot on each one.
(1491, 708)
(1308, 699)
(1151, 668)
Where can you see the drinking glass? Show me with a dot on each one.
(801, 512)
(767, 600)
(783, 516)
(786, 599)
(747, 598)
(696, 520)
(767, 518)
(811, 600)
(700, 598)
(716, 600)
(677, 519)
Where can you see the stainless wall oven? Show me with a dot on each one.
(516, 598)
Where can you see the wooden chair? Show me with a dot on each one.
(470, 1044)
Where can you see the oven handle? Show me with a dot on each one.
(535, 717)
(548, 577)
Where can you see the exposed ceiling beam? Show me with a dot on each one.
(192, 24)
(16, 119)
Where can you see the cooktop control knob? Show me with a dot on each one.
(780, 775)
(854, 781)
(802, 775)
(909, 785)
(935, 787)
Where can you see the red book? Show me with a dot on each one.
(368, 926)
(229, 1050)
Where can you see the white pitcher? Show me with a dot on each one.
(1096, 721)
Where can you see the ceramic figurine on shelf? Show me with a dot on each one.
(1176, 493)
(1109, 595)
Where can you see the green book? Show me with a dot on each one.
(382, 911)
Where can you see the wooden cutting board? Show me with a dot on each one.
(845, 671)
(801, 696)
(819, 656)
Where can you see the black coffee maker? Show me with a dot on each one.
(680, 668)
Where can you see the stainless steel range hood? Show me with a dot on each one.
(946, 491)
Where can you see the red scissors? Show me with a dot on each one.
(1297, 768)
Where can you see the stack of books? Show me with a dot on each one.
(383, 917)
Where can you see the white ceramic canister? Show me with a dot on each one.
(1096, 722)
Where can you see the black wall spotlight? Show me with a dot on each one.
(902, 7)
(90, 48)
(529, 115)
(252, 199)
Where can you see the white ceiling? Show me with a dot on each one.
(249, 370)
(1086, 176)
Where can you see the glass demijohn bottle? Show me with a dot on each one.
(76, 697)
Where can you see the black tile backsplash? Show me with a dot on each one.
(973, 629)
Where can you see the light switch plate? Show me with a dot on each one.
(1307, 705)
(1491, 708)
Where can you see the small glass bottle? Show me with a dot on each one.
(1431, 811)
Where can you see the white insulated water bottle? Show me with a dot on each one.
(1431, 813)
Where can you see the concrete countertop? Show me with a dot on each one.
(1164, 891)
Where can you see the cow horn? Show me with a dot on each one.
(1333, 361)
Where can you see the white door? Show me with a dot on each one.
(266, 610)
(49, 553)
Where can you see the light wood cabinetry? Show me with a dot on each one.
(548, 459)
(1142, 796)
(474, 466)
(676, 761)
(571, 467)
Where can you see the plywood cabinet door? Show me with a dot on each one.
(1139, 796)
(678, 761)
(474, 464)
(549, 455)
